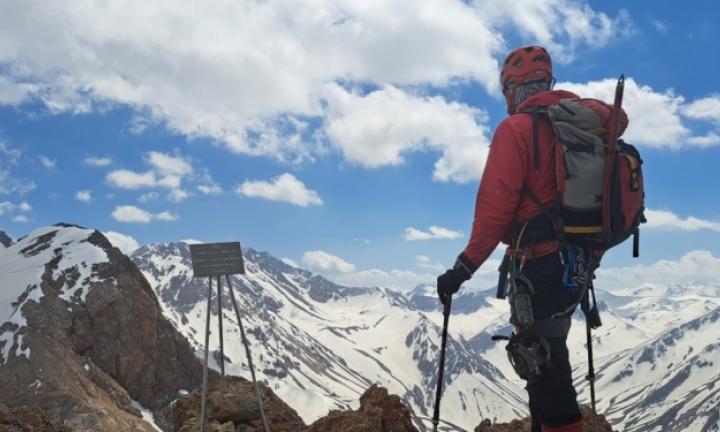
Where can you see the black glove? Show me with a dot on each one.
(449, 282)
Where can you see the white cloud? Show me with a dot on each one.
(15, 93)
(47, 162)
(710, 140)
(380, 128)
(241, 50)
(25, 206)
(178, 195)
(6, 207)
(656, 117)
(560, 25)
(166, 171)
(20, 219)
(149, 196)
(667, 220)
(97, 161)
(10, 184)
(126, 179)
(290, 262)
(694, 268)
(422, 259)
(323, 261)
(284, 188)
(398, 279)
(125, 243)
(132, 214)
(660, 26)
(190, 241)
(707, 109)
(169, 165)
(166, 216)
(210, 189)
(84, 196)
(433, 233)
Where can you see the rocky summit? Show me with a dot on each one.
(82, 335)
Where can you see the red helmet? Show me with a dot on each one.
(526, 63)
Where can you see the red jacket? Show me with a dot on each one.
(500, 202)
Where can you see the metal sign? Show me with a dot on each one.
(216, 259)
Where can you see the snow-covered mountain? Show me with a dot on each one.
(82, 336)
(320, 345)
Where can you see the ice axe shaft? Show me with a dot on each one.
(441, 370)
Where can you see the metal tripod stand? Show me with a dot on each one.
(203, 409)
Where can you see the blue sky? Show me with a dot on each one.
(193, 115)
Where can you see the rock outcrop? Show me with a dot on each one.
(85, 338)
(378, 412)
(234, 408)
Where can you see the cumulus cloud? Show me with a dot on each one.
(47, 162)
(136, 59)
(25, 206)
(20, 219)
(210, 189)
(97, 161)
(125, 243)
(667, 220)
(178, 195)
(83, 196)
(169, 165)
(284, 188)
(433, 233)
(166, 171)
(325, 262)
(397, 279)
(381, 127)
(6, 207)
(704, 109)
(132, 214)
(560, 25)
(694, 268)
(149, 196)
(126, 179)
(290, 262)
(657, 118)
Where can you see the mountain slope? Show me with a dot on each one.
(82, 334)
(320, 345)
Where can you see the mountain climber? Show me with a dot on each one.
(501, 206)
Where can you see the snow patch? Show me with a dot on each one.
(147, 415)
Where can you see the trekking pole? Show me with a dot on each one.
(592, 320)
(438, 392)
(205, 363)
(591, 374)
(266, 427)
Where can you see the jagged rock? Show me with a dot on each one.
(93, 339)
(5, 239)
(236, 404)
(378, 412)
(29, 419)
(523, 425)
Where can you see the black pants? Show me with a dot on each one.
(553, 400)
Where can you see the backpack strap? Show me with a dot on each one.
(535, 139)
(535, 112)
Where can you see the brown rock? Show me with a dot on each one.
(90, 357)
(27, 419)
(378, 412)
(523, 425)
(236, 403)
